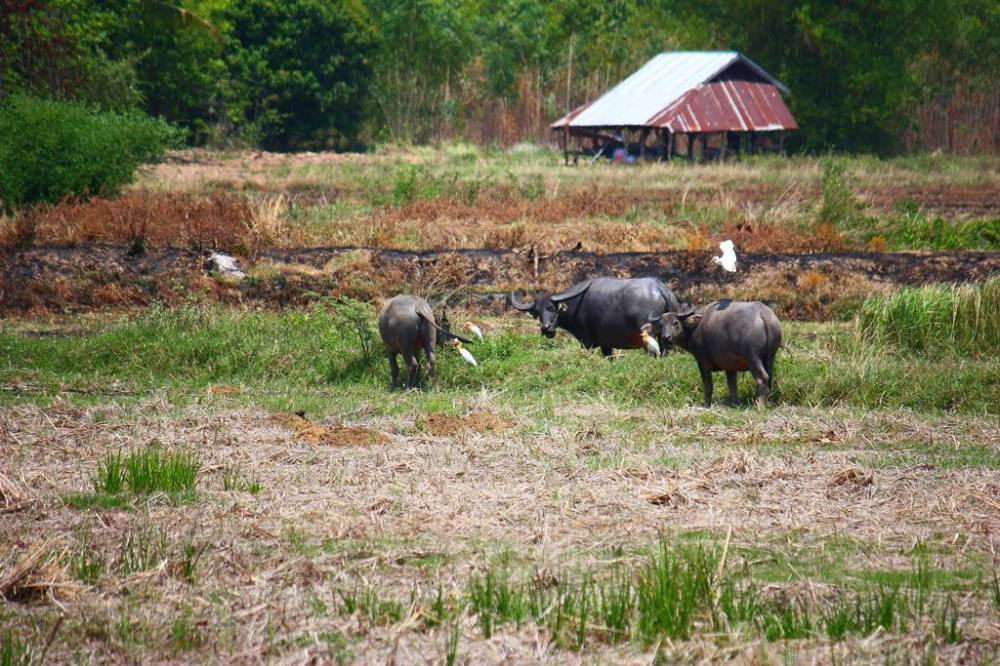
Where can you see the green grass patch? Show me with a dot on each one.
(942, 457)
(940, 318)
(676, 591)
(146, 471)
(142, 548)
(184, 632)
(303, 359)
(235, 479)
(14, 651)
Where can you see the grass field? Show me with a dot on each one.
(548, 505)
(192, 481)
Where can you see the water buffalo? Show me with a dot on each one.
(406, 324)
(602, 312)
(725, 335)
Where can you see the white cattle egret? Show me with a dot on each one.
(728, 258)
(651, 345)
(475, 330)
(465, 353)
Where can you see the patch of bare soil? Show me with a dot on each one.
(40, 280)
(442, 425)
(951, 201)
(337, 435)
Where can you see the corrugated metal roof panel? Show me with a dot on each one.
(565, 120)
(656, 85)
(730, 105)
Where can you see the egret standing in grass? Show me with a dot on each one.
(728, 258)
(465, 353)
(649, 342)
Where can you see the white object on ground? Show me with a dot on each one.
(652, 346)
(225, 264)
(728, 258)
(475, 330)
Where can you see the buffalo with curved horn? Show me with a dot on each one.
(732, 336)
(602, 312)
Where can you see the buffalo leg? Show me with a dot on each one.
(706, 382)
(607, 351)
(412, 369)
(731, 379)
(393, 371)
(763, 380)
(431, 361)
(769, 367)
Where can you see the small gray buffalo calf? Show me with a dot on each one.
(726, 335)
(406, 324)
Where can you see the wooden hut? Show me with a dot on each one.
(712, 103)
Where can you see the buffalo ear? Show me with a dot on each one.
(693, 320)
(563, 307)
(654, 318)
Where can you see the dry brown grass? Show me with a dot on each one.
(409, 513)
(143, 219)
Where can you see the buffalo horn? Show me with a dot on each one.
(518, 304)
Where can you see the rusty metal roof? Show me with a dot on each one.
(727, 106)
(684, 87)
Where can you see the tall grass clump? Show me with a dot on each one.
(147, 471)
(51, 150)
(937, 318)
(13, 650)
(839, 207)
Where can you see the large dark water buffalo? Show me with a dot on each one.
(726, 335)
(602, 312)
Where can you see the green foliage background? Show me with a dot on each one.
(313, 73)
(50, 150)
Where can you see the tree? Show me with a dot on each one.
(300, 70)
(848, 65)
(425, 44)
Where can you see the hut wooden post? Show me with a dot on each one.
(781, 143)
(734, 141)
(565, 143)
(668, 137)
(691, 139)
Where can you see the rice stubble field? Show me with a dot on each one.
(203, 480)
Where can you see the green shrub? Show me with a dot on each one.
(50, 150)
(910, 228)
(839, 207)
(965, 318)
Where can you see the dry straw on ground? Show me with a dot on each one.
(374, 513)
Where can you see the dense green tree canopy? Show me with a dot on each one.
(328, 73)
(300, 69)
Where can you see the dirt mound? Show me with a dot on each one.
(442, 425)
(339, 435)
